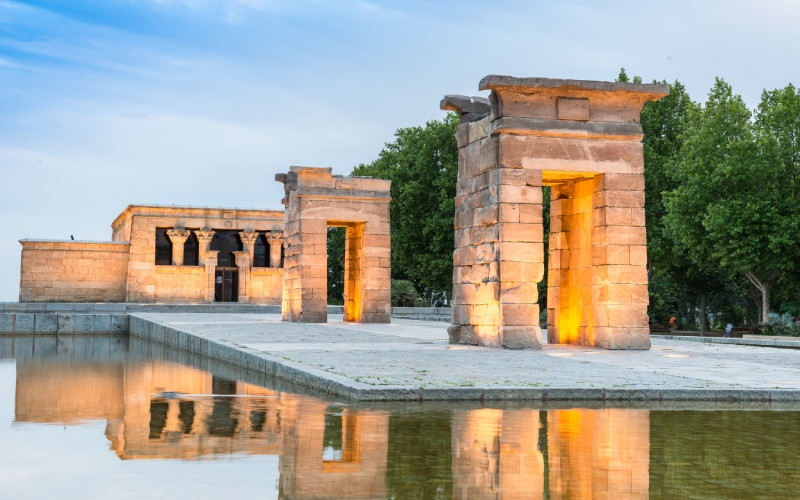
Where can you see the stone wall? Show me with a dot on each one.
(73, 271)
(180, 284)
(266, 285)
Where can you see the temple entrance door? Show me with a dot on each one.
(226, 284)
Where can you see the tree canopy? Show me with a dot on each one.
(733, 208)
(422, 163)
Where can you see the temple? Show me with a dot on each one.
(163, 254)
(583, 140)
(170, 254)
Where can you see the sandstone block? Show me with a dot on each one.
(521, 251)
(610, 254)
(614, 198)
(487, 336)
(520, 314)
(514, 292)
(622, 182)
(610, 274)
(638, 255)
(524, 337)
(509, 212)
(640, 295)
(619, 235)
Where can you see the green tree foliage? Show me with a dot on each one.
(404, 294)
(422, 164)
(732, 209)
(336, 236)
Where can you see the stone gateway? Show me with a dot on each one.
(583, 139)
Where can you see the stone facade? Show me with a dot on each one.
(162, 254)
(315, 200)
(583, 139)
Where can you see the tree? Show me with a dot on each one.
(731, 209)
(422, 164)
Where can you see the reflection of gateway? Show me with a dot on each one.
(162, 410)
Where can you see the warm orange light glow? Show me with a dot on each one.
(353, 267)
(573, 316)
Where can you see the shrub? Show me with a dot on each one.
(404, 294)
(777, 329)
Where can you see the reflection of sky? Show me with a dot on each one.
(152, 101)
(76, 462)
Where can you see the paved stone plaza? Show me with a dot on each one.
(410, 360)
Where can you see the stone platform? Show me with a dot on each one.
(411, 360)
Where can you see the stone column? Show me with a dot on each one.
(275, 241)
(619, 255)
(204, 237)
(178, 237)
(244, 261)
(248, 241)
(211, 267)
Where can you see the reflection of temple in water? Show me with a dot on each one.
(165, 410)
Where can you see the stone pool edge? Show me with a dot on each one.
(340, 386)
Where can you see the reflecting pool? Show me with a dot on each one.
(103, 417)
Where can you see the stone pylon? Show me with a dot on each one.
(583, 139)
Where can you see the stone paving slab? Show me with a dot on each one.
(411, 360)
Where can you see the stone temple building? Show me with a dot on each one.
(163, 254)
(169, 254)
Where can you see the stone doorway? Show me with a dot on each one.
(316, 200)
(583, 139)
(226, 284)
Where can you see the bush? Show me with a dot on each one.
(404, 294)
(777, 329)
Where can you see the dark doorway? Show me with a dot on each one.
(226, 284)
(227, 242)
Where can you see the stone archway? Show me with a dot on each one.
(315, 200)
(582, 138)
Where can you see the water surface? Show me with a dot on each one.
(102, 417)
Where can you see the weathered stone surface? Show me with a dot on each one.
(470, 109)
(46, 323)
(583, 139)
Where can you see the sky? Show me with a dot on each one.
(108, 103)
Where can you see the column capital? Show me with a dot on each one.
(274, 237)
(178, 236)
(248, 238)
(204, 235)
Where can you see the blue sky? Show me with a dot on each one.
(201, 102)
